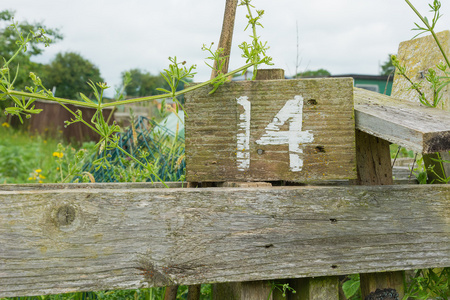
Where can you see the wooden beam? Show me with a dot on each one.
(413, 126)
(69, 239)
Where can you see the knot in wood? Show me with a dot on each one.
(65, 215)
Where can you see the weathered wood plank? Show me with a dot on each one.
(419, 55)
(54, 241)
(294, 130)
(413, 126)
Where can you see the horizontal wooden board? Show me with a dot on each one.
(295, 130)
(69, 239)
(413, 126)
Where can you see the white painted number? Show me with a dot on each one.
(243, 135)
(291, 112)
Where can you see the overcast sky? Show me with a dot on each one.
(342, 36)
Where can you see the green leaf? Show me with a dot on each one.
(13, 110)
(86, 99)
(34, 111)
(351, 287)
(163, 90)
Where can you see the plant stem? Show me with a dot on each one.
(430, 29)
(141, 99)
(167, 95)
(44, 97)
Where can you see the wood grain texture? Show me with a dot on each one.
(419, 55)
(413, 126)
(373, 160)
(270, 74)
(319, 288)
(64, 240)
(211, 145)
(250, 290)
(385, 280)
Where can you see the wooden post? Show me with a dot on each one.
(252, 290)
(373, 160)
(374, 168)
(194, 292)
(226, 37)
(318, 288)
(386, 280)
(171, 292)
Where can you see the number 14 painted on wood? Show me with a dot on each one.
(291, 112)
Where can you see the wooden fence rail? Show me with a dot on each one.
(67, 239)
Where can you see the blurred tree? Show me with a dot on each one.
(143, 83)
(8, 38)
(317, 73)
(68, 73)
(387, 68)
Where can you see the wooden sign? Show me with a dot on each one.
(294, 130)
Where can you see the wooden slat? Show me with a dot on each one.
(63, 240)
(215, 121)
(415, 127)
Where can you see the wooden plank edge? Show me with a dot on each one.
(90, 186)
(410, 125)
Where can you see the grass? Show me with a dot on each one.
(26, 158)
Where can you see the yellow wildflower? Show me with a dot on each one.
(38, 170)
(31, 178)
(41, 176)
(58, 154)
(6, 124)
(40, 181)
